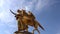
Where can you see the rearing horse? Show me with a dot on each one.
(27, 20)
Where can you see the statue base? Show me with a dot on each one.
(25, 32)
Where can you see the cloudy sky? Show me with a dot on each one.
(47, 12)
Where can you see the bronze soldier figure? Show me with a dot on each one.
(21, 25)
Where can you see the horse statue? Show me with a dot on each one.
(27, 19)
(30, 20)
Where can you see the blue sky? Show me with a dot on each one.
(47, 12)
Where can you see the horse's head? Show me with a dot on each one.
(19, 11)
(24, 12)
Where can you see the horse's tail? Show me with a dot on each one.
(41, 26)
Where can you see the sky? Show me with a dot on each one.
(47, 13)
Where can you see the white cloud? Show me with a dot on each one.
(7, 18)
(41, 3)
(1, 2)
(7, 32)
(4, 16)
(36, 4)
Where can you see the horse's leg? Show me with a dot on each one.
(20, 25)
(33, 31)
(36, 27)
(26, 28)
(25, 24)
(38, 31)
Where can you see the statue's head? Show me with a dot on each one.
(19, 11)
(23, 11)
(29, 12)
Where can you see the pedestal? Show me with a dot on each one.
(25, 32)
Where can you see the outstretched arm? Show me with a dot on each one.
(12, 12)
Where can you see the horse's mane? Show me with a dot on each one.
(25, 13)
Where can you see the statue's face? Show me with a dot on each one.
(22, 11)
(19, 11)
(28, 12)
